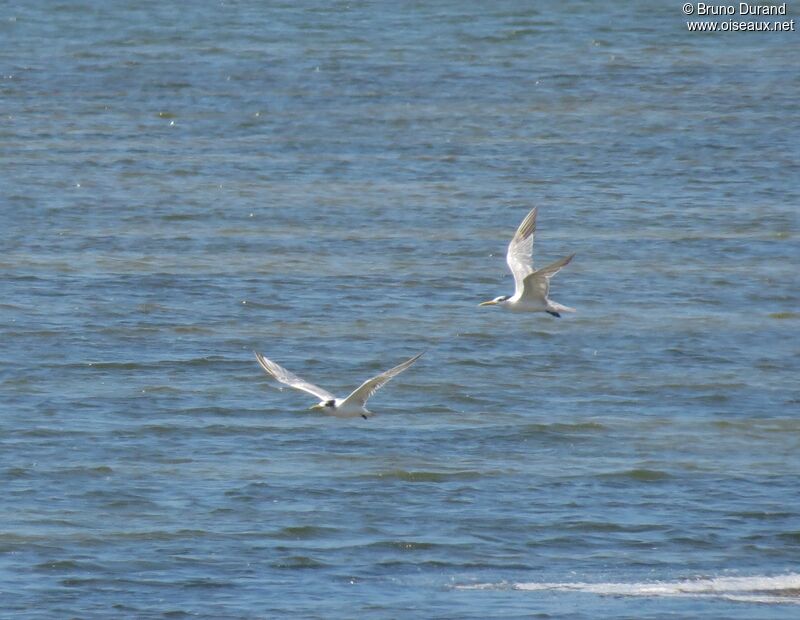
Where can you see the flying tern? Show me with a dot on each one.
(354, 405)
(532, 285)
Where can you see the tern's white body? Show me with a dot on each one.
(343, 409)
(354, 405)
(532, 286)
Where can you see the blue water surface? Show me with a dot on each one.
(334, 184)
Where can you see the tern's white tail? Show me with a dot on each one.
(554, 306)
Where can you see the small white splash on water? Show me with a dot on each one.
(755, 589)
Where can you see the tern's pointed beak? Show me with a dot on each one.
(491, 302)
(316, 407)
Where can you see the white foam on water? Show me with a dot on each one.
(756, 589)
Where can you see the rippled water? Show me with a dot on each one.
(334, 184)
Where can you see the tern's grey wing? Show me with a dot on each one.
(537, 284)
(535, 287)
(553, 268)
(362, 393)
(279, 373)
(520, 251)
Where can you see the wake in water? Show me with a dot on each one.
(756, 589)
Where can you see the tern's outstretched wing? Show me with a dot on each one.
(279, 373)
(361, 394)
(537, 284)
(553, 268)
(520, 251)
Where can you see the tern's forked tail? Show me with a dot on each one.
(554, 306)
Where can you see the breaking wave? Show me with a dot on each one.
(755, 589)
